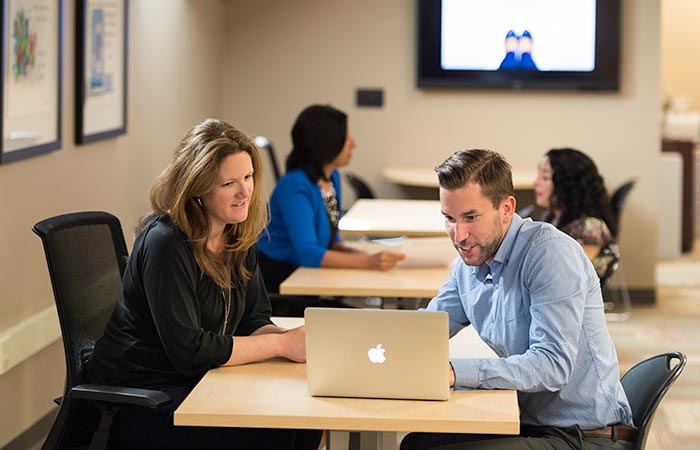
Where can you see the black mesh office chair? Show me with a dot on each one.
(646, 384)
(86, 256)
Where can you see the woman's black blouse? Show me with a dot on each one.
(166, 328)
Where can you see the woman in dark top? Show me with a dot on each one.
(193, 297)
(305, 205)
(573, 193)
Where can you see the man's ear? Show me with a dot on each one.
(508, 208)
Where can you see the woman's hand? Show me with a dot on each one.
(294, 344)
(358, 259)
(385, 260)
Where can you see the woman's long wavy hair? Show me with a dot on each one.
(578, 188)
(193, 172)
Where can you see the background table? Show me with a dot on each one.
(523, 179)
(414, 282)
(393, 218)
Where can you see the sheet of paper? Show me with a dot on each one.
(420, 252)
(428, 252)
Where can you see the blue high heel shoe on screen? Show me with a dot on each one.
(526, 61)
(510, 61)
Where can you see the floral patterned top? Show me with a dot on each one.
(594, 231)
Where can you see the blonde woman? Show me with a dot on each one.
(193, 297)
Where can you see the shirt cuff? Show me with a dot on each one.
(466, 372)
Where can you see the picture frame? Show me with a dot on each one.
(101, 69)
(31, 68)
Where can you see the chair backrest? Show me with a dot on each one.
(646, 384)
(86, 256)
(617, 201)
(359, 186)
(265, 144)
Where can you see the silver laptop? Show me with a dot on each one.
(377, 353)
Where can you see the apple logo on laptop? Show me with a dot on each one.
(376, 354)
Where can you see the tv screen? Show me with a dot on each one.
(519, 44)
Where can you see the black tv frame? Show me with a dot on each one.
(605, 77)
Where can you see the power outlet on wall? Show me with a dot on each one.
(372, 97)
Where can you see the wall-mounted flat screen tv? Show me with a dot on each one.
(519, 44)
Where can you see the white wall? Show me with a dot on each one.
(174, 75)
(282, 56)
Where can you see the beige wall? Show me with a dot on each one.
(174, 74)
(281, 56)
(680, 61)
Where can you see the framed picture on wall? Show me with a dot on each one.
(31, 78)
(101, 65)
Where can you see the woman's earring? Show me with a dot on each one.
(199, 201)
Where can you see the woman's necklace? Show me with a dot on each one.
(331, 201)
(227, 308)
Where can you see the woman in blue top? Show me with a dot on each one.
(305, 205)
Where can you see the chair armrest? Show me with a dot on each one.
(119, 395)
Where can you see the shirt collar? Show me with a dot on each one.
(503, 253)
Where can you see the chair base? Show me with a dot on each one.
(612, 312)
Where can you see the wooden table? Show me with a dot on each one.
(273, 394)
(417, 176)
(393, 217)
(400, 282)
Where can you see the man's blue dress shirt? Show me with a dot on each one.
(538, 305)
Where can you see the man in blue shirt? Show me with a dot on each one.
(533, 296)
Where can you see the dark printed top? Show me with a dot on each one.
(594, 231)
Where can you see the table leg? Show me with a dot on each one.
(362, 440)
(378, 440)
(337, 440)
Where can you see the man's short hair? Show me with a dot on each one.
(487, 168)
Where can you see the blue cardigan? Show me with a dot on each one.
(299, 229)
